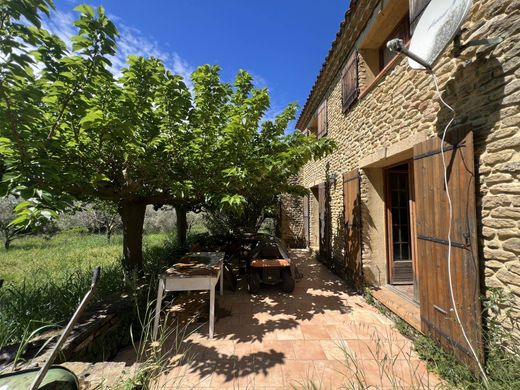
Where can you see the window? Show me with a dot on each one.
(349, 82)
(392, 21)
(399, 216)
(402, 31)
(322, 120)
(319, 122)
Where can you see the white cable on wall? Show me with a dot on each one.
(445, 171)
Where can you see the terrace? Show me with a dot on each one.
(323, 335)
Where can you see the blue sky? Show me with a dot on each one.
(282, 43)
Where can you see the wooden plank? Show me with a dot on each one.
(352, 217)
(403, 308)
(400, 271)
(350, 82)
(306, 219)
(324, 222)
(432, 220)
(322, 120)
(270, 263)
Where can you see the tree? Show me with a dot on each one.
(255, 158)
(70, 130)
(43, 223)
(96, 217)
(7, 214)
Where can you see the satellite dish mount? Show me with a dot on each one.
(398, 46)
(439, 25)
(460, 47)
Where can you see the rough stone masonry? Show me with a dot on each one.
(401, 109)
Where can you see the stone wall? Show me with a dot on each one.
(483, 86)
(291, 221)
(291, 218)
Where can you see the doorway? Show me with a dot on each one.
(400, 206)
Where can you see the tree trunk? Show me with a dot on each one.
(132, 216)
(182, 225)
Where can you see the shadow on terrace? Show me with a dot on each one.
(256, 333)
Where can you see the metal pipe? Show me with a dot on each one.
(398, 46)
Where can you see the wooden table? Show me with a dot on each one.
(197, 271)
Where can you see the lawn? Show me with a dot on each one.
(37, 259)
(46, 279)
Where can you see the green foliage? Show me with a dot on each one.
(369, 297)
(502, 349)
(442, 363)
(501, 342)
(69, 130)
(13, 222)
(44, 280)
(44, 94)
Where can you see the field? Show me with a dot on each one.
(34, 258)
(44, 279)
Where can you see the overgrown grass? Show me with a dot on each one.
(502, 346)
(34, 258)
(46, 279)
(156, 357)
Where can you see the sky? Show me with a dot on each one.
(282, 43)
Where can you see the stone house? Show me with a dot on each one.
(377, 212)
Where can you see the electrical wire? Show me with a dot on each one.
(445, 170)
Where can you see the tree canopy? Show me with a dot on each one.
(71, 129)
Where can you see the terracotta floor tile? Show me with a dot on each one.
(414, 373)
(367, 349)
(280, 341)
(308, 350)
(271, 377)
(283, 346)
(225, 373)
(331, 374)
(315, 332)
(298, 373)
(184, 376)
(339, 331)
(289, 334)
(380, 376)
(334, 349)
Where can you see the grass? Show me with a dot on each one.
(45, 279)
(34, 258)
(502, 346)
(392, 366)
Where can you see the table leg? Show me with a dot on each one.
(211, 310)
(222, 278)
(160, 292)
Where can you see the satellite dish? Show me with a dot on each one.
(436, 28)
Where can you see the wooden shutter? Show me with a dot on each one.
(324, 224)
(306, 220)
(349, 81)
(416, 9)
(432, 219)
(352, 213)
(322, 120)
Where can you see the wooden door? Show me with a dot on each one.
(324, 224)
(352, 213)
(306, 220)
(432, 223)
(399, 199)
